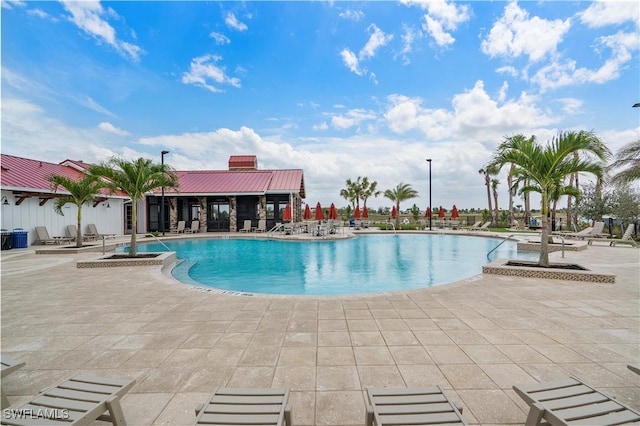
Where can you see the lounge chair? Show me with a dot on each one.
(72, 230)
(9, 365)
(195, 227)
(474, 226)
(237, 406)
(247, 226)
(634, 367)
(571, 400)
(44, 238)
(484, 227)
(262, 225)
(590, 231)
(180, 228)
(411, 406)
(288, 229)
(626, 238)
(92, 231)
(79, 400)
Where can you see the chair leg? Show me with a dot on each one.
(115, 411)
(369, 420)
(5, 402)
(535, 415)
(287, 415)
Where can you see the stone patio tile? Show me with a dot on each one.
(165, 380)
(267, 339)
(206, 379)
(294, 338)
(303, 407)
(72, 359)
(332, 325)
(193, 357)
(400, 338)
(180, 410)
(481, 323)
(598, 353)
(357, 314)
(110, 359)
(297, 378)
(297, 356)
(387, 376)
(26, 382)
(448, 324)
(373, 355)
(303, 325)
(534, 337)
(599, 377)
(331, 314)
(432, 337)
(421, 324)
(339, 408)
(354, 304)
(34, 360)
(492, 407)
(379, 304)
(439, 313)
(423, 375)
(560, 353)
(466, 337)
(362, 325)
(367, 338)
(384, 313)
(260, 356)
(270, 324)
(447, 354)
(223, 356)
(336, 355)
(507, 375)
(252, 377)
(143, 408)
(234, 340)
(392, 324)
(216, 326)
(337, 378)
(201, 341)
(522, 354)
(411, 313)
(484, 354)
(144, 358)
(545, 372)
(500, 337)
(467, 376)
(243, 326)
(412, 355)
(334, 338)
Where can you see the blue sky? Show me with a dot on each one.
(339, 89)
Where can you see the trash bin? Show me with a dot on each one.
(19, 238)
(6, 240)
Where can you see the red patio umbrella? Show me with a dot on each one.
(454, 212)
(307, 213)
(365, 213)
(356, 214)
(319, 212)
(441, 213)
(286, 216)
(427, 212)
(394, 212)
(333, 212)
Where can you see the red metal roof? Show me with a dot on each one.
(243, 162)
(221, 182)
(287, 181)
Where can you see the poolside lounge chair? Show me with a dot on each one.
(195, 227)
(626, 238)
(237, 406)
(571, 400)
(247, 226)
(589, 231)
(634, 367)
(180, 228)
(92, 231)
(79, 400)
(9, 365)
(262, 225)
(72, 230)
(44, 238)
(411, 406)
(484, 227)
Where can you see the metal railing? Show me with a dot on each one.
(158, 240)
(496, 247)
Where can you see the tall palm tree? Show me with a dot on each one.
(402, 192)
(512, 193)
(135, 178)
(82, 191)
(353, 192)
(548, 166)
(494, 190)
(369, 189)
(627, 159)
(487, 183)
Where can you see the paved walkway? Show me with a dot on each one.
(476, 338)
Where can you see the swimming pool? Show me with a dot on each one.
(366, 264)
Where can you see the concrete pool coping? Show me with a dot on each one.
(476, 338)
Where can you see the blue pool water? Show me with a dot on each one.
(366, 264)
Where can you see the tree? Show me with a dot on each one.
(368, 190)
(494, 189)
(415, 213)
(627, 159)
(402, 192)
(490, 170)
(81, 192)
(135, 178)
(547, 166)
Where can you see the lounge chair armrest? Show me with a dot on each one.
(287, 415)
(199, 408)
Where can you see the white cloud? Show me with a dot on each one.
(10, 4)
(105, 126)
(434, 28)
(352, 15)
(377, 39)
(602, 13)
(40, 14)
(516, 34)
(320, 127)
(219, 38)
(442, 18)
(203, 72)
(351, 118)
(512, 71)
(232, 22)
(560, 74)
(87, 15)
(571, 106)
(409, 36)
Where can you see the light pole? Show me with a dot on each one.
(162, 202)
(430, 209)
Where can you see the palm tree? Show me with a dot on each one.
(402, 192)
(548, 166)
(369, 189)
(627, 158)
(487, 183)
(494, 189)
(81, 192)
(512, 193)
(352, 192)
(135, 178)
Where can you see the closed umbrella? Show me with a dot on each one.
(441, 213)
(307, 213)
(394, 212)
(319, 212)
(287, 213)
(333, 212)
(454, 212)
(427, 212)
(356, 214)
(365, 213)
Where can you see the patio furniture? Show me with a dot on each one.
(92, 230)
(484, 227)
(571, 400)
(634, 367)
(9, 365)
(180, 228)
(247, 226)
(79, 400)
(240, 406)
(262, 225)
(411, 406)
(626, 238)
(44, 238)
(195, 227)
(72, 230)
(589, 231)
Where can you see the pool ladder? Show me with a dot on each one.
(158, 240)
(496, 247)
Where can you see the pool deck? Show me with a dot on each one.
(476, 338)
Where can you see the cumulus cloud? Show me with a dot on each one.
(320, 127)
(351, 118)
(352, 15)
(204, 72)
(219, 38)
(105, 126)
(232, 22)
(377, 39)
(409, 37)
(567, 73)
(89, 17)
(10, 4)
(602, 13)
(442, 18)
(516, 34)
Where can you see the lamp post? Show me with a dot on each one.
(162, 202)
(430, 209)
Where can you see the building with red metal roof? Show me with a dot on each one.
(221, 200)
